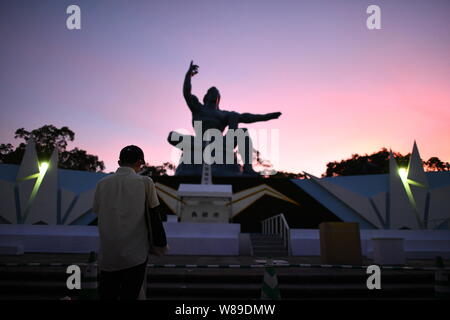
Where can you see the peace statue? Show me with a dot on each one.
(209, 116)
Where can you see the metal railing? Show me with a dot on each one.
(277, 225)
(434, 223)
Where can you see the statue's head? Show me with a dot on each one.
(212, 98)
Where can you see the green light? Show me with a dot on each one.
(43, 168)
(403, 173)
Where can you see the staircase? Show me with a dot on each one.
(265, 246)
(222, 284)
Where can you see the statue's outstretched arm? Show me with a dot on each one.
(191, 100)
(250, 117)
(235, 118)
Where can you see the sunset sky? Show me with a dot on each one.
(342, 88)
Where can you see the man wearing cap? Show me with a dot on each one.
(120, 201)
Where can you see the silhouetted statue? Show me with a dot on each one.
(212, 117)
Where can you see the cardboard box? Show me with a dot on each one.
(340, 243)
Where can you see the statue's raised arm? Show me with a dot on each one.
(191, 100)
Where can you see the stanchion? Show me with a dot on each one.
(270, 289)
(143, 291)
(89, 284)
(441, 280)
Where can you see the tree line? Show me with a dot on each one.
(49, 137)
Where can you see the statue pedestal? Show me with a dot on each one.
(218, 170)
(205, 203)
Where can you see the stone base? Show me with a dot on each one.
(218, 170)
(11, 250)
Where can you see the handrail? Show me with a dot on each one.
(437, 222)
(278, 225)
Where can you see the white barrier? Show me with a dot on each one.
(418, 244)
(388, 251)
(213, 239)
(183, 238)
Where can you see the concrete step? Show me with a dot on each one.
(268, 246)
(267, 243)
(269, 249)
(174, 290)
(262, 235)
(300, 276)
(50, 283)
(270, 254)
(265, 238)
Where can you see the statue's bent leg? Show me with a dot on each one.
(174, 138)
(245, 149)
(185, 143)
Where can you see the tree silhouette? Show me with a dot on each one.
(154, 171)
(377, 163)
(47, 138)
(435, 164)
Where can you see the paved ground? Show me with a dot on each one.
(177, 259)
(202, 260)
(47, 282)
